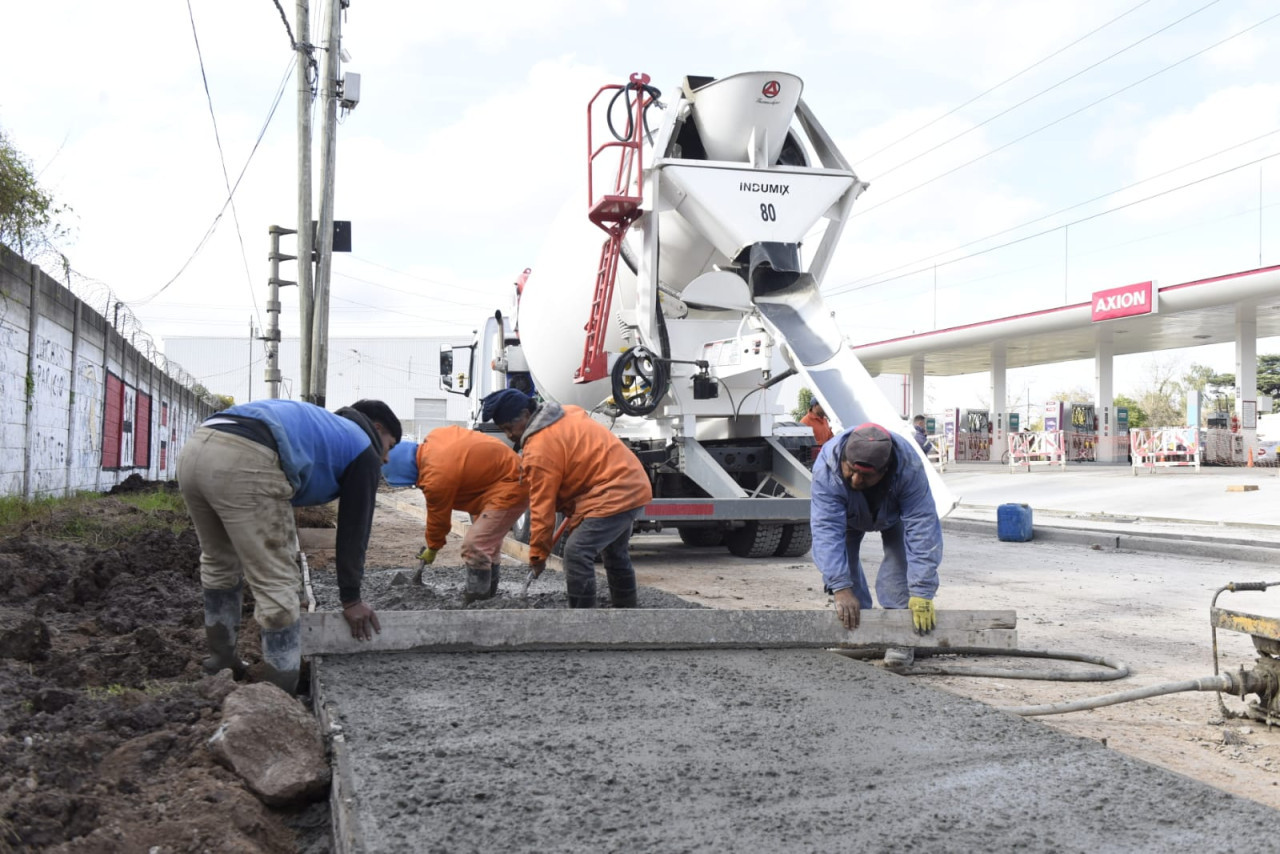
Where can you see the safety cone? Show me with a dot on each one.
(1250, 464)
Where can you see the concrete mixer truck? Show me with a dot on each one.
(677, 295)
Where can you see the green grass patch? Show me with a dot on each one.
(95, 520)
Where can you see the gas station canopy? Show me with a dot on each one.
(1207, 311)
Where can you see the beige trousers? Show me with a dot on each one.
(238, 499)
(482, 544)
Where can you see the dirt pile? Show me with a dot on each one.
(104, 710)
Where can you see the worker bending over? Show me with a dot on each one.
(241, 474)
(575, 466)
(869, 479)
(816, 420)
(461, 469)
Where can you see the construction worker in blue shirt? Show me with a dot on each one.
(871, 479)
(241, 474)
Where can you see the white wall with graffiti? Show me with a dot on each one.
(81, 408)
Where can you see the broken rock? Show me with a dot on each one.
(275, 746)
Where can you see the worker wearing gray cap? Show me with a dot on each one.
(871, 479)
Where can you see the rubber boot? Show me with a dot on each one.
(494, 574)
(582, 601)
(479, 585)
(282, 654)
(221, 624)
(623, 599)
(622, 587)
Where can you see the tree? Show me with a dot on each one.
(28, 214)
(803, 398)
(1137, 418)
(1079, 394)
(1162, 398)
(1269, 375)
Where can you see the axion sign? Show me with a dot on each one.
(1126, 301)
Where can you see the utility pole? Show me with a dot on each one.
(324, 235)
(272, 336)
(251, 330)
(306, 310)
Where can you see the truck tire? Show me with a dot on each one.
(701, 536)
(520, 533)
(754, 539)
(796, 540)
(520, 529)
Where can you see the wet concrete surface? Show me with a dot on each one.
(734, 751)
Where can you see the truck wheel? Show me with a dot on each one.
(796, 540)
(520, 530)
(754, 539)
(520, 533)
(701, 536)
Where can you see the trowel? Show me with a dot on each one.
(555, 538)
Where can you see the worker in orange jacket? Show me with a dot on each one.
(575, 466)
(461, 469)
(816, 419)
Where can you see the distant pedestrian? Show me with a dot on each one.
(922, 437)
(816, 419)
(241, 474)
(868, 479)
(575, 466)
(461, 469)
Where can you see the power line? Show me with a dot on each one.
(1027, 100)
(413, 293)
(1065, 117)
(218, 217)
(986, 237)
(288, 29)
(986, 92)
(1023, 239)
(222, 160)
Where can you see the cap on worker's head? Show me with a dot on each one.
(813, 401)
(402, 465)
(505, 405)
(868, 448)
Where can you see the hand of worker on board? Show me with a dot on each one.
(427, 555)
(537, 568)
(922, 614)
(847, 608)
(360, 617)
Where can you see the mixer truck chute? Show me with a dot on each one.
(678, 329)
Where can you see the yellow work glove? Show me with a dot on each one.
(427, 555)
(922, 614)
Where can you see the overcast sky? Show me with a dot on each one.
(469, 134)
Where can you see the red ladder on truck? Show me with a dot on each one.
(614, 213)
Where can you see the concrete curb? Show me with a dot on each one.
(345, 834)
(1186, 545)
(512, 630)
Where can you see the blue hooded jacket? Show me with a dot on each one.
(836, 509)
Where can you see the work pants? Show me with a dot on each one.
(891, 580)
(238, 499)
(482, 549)
(609, 536)
(482, 544)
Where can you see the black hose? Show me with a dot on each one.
(625, 92)
(1206, 683)
(654, 382)
(1118, 669)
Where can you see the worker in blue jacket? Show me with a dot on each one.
(871, 479)
(241, 474)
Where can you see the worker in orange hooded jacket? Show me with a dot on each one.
(575, 466)
(461, 469)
